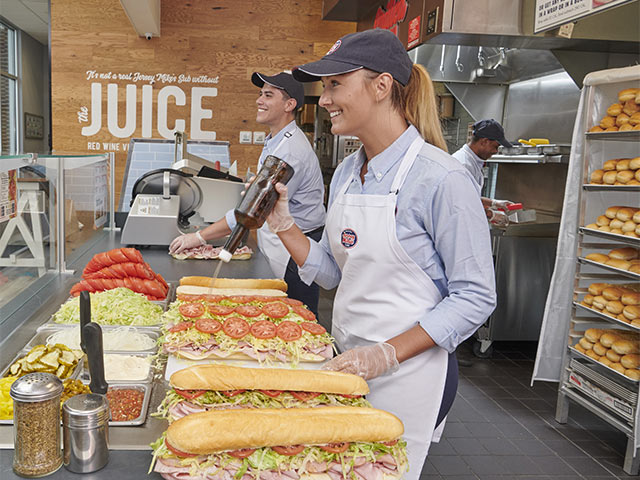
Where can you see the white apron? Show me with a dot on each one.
(383, 293)
(268, 242)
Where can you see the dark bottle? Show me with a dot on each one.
(257, 202)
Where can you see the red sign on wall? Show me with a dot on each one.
(413, 35)
(389, 17)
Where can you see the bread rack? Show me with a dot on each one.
(584, 381)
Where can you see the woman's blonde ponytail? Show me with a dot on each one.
(420, 107)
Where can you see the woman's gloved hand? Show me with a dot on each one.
(280, 220)
(183, 242)
(496, 217)
(501, 204)
(367, 362)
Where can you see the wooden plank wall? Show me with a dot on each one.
(225, 38)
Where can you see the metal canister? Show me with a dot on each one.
(85, 420)
(36, 424)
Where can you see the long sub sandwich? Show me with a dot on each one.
(206, 387)
(257, 327)
(329, 443)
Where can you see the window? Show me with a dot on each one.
(8, 91)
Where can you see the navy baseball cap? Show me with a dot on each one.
(283, 81)
(492, 130)
(378, 50)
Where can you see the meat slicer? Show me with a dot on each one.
(169, 201)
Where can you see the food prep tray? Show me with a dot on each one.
(5, 371)
(85, 377)
(612, 236)
(551, 149)
(46, 330)
(594, 361)
(606, 317)
(140, 419)
(626, 273)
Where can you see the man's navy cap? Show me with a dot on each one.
(378, 50)
(284, 81)
(492, 130)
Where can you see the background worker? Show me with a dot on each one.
(487, 135)
(280, 96)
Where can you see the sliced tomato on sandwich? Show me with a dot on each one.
(208, 325)
(177, 452)
(308, 315)
(216, 309)
(232, 393)
(242, 453)
(272, 393)
(248, 310)
(346, 395)
(304, 396)
(289, 331)
(236, 327)
(190, 394)
(288, 450)
(240, 298)
(390, 443)
(264, 329)
(292, 301)
(275, 309)
(191, 310)
(179, 327)
(313, 328)
(335, 447)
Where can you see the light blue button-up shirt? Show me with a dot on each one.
(471, 162)
(306, 187)
(441, 225)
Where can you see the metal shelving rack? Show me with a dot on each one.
(598, 388)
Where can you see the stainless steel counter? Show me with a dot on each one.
(126, 460)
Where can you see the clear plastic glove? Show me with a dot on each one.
(496, 217)
(183, 242)
(367, 362)
(280, 220)
(501, 204)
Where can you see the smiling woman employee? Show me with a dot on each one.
(406, 239)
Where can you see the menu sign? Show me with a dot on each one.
(553, 13)
(8, 196)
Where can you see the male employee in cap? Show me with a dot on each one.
(280, 96)
(486, 137)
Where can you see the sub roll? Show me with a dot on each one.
(266, 443)
(207, 387)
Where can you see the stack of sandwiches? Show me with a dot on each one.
(239, 423)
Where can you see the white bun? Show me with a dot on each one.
(195, 290)
(259, 283)
(304, 357)
(224, 430)
(225, 377)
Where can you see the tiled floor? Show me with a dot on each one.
(501, 428)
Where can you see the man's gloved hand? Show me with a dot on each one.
(368, 362)
(501, 204)
(183, 242)
(280, 220)
(496, 217)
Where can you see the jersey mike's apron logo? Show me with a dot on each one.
(348, 238)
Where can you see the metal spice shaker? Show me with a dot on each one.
(36, 424)
(85, 420)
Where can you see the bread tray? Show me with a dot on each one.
(85, 377)
(612, 236)
(606, 317)
(594, 361)
(626, 273)
(145, 404)
(595, 187)
(46, 330)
